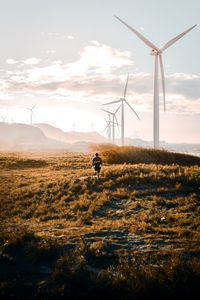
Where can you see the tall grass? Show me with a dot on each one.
(132, 234)
(131, 154)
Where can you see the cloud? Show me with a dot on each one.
(56, 35)
(95, 59)
(101, 58)
(11, 61)
(50, 51)
(32, 61)
(70, 37)
(185, 84)
(97, 75)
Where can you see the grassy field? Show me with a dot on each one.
(134, 233)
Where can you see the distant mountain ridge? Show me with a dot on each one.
(47, 137)
(25, 137)
(71, 137)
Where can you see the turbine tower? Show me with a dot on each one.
(157, 53)
(108, 127)
(31, 113)
(113, 122)
(123, 102)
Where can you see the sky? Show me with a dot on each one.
(70, 57)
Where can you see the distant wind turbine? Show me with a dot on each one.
(157, 53)
(108, 127)
(92, 126)
(4, 118)
(31, 113)
(113, 122)
(123, 101)
(12, 120)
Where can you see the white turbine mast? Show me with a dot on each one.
(113, 122)
(123, 102)
(31, 112)
(157, 53)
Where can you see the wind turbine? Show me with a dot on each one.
(4, 118)
(31, 113)
(108, 127)
(123, 102)
(113, 122)
(92, 126)
(157, 53)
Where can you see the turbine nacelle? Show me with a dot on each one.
(155, 52)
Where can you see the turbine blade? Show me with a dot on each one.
(105, 110)
(125, 89)
(116, 121)
(106, 121)
(172, 41)
(105, 128)
(139, 35)
(117, 109)
(162, 79)
(132, 109)
(109, 112)
(117, 101)
(33, 106)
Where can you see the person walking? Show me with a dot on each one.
(97, 163)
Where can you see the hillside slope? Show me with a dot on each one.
(25, 137)
(71, 137)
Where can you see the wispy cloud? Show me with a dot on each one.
(70, 37)
(32, 61)
(185, 84)
(11, 61)
(56, 35)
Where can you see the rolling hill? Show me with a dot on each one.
(26, 137)
(45, 137)
(71, 136)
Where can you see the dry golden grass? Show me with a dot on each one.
(131, 154)
(63, 224)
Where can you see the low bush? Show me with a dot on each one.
(133, 155)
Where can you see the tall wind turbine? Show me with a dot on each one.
(123, 102)
(31, 113)
(113, 122)
(157, 53)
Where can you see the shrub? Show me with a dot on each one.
(133, 155)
